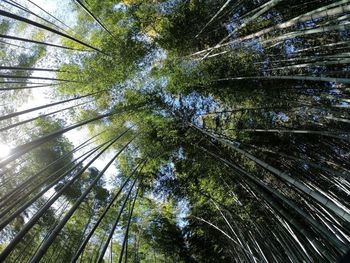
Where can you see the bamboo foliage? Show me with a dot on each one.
(34, 219)
(326, 11)
(323, 231)
(93, 16)
(21, 7)
(125, 240)
(308, 218)
(33, 23)
(243, 106)
(87, 238)
(309, 78)
(40, 116)
(257, 12)
(43, 248)
(43, 191)
(284, 176)
(214, 16)
(29, 180)
(105, 246)
(22, 149)
(38, 42)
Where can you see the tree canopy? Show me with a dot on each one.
(174, 131)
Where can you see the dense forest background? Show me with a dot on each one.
(174, 131)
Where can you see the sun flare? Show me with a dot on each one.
(4, 151)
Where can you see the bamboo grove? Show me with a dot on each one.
(174, 131)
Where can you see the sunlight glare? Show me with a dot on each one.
(4, 151)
